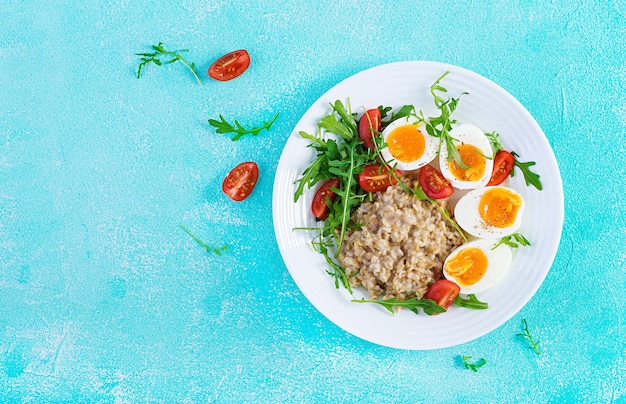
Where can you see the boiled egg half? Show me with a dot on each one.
(409, 146)
(475, 151)
(476, 266)
(490, 212)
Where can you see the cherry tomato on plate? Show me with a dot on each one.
(369, 124)
(443, 292)
(376, 177)
(433, 183)
(502, 165)
(319, 207)
(230, 65)
(240, 182)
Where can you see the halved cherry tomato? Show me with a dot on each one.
(433, 183)
(502, 165)
(443, 292)
(240, 182)
(319, 207)
(376, 177)
(369, 124)
(230, 65)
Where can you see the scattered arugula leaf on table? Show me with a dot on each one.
(473, 366)
(160, 51)
(207, 247)
(223, 126)
(534, 344)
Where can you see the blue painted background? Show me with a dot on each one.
(103, 297)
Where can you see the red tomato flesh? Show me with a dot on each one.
(502, 165)
(319, 207)
(376, 177)
(230, 65)
(433, 183)
(369, 125)
(240, 182)
(443, 292)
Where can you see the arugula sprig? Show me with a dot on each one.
(473, 366)
(174, 56)
(404, 112)
(530, 177)
(204, 245)
(429, 306)
(514, 240)
(419, 193)
(534, 344)
(223, 126)
(440, 126)
(471, 302)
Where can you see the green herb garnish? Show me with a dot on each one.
(514, 240)
(530, 177)
(471, 302)
(223, 126)
(207, 247)
(419, 193)
(534, 344)
(429, 306)
(175, 56)
(473, 366)
(441, 125)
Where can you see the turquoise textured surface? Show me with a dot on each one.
(104, 298)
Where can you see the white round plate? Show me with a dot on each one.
(487, 106)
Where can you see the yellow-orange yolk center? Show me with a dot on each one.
(468, 266)
(472, 157)
(498, 207)
(406, 143)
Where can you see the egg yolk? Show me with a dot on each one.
(468, 266)
(406, 143)
(472, 157)
(498, 207)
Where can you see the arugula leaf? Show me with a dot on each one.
(429, 306)
(534, 344)
(514, 240)
(223, 126)
(207, 247)
(530, 177)
(473, 366)
(471, 302)
(404, 112)
(441, 125)
(419, 193)
(494, 139)
(159, 51)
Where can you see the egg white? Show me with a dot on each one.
(468, 134)
(430, 149)
(467, 216)
(498, 263)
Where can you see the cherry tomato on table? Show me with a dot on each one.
(503, 163)
(230, 65)
(240, 182)
(319, 207)
(376, 177)
(369, 124)
(433, 183)
(443, 292)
